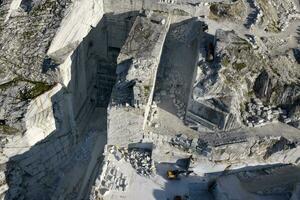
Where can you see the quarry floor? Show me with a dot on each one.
(88, 155)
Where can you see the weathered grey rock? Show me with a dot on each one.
(137, 67)
(263, 86)
(58, 61)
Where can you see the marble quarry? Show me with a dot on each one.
(149, 99)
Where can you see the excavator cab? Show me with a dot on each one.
(172, 174)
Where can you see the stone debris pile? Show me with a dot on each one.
(139, 158)
(258, 115)
(141, 161)
(182, 142)
(112, 179)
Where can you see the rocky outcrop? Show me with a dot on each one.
(294, 114)
(275, 15)
(83, 16)
(242, 146)
(234, 10)
(263, 86)
(53, 98)
(57, 64)
(137, 67)
(219, 87)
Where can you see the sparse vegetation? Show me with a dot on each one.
(147, 90)
(270, 17)
(225, 61)
(180, 12)
(273, 26)
(27, 35)
(9, 84)
(242, 44)
(5, 129)
(219, 11)
(250, 94)
(239, 66)
(38, 89)
(48, 5)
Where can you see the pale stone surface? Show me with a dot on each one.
(83, 15)
(186, 72)
(39, 124)
(144, 53)
(13, 7)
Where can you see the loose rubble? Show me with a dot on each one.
(258, 115)
(141, 161)
(149, 99)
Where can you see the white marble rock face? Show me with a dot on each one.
(99, 99)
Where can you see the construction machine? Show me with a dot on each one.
(174, 174)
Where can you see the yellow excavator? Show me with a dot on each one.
(174, 174)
